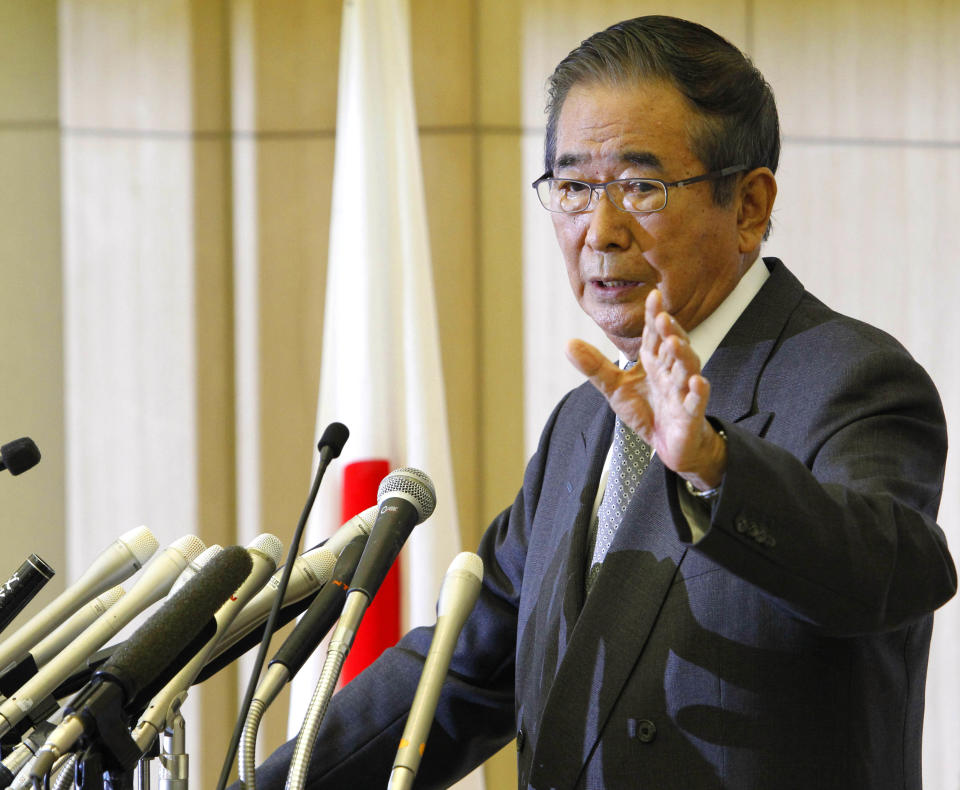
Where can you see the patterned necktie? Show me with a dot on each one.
(628, 460)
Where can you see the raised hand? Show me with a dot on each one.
(663, 398)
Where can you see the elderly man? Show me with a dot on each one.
(721, 567)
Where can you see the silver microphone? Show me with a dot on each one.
(311, 571)
(265, 552)
(118, 561)
(458, 594)
(155, 581)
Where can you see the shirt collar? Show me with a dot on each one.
(706, 336)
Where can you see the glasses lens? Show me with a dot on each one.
(637, 194)
(563, 196)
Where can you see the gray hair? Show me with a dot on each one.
(737, 115)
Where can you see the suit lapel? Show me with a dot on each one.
(556, 604)
(596, 441)
(609, 635)
(735, 367)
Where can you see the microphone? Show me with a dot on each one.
(148, 653)
(458, 594)
(17, 591)
(195, 565)
(331, 443)
(94, 661)
(313, 627)
(406, 498)
(330, 446)
(264, 552)
(52, 644)
(23, 753)
(155, 581)
(311, 571)
(19, 455)
(119, 560)
(360, 524)
(322, 613)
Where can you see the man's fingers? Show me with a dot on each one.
(650, 339)
(653, 306)
(594, 365)
(659, 326)
(698, 393)
(584, 357)
(678, 374)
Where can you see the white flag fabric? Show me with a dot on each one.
(381, 371)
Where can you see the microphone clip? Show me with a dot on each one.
(105, 727)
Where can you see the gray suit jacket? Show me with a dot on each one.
(786, 649)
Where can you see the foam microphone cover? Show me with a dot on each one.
(334, 437)
(19, 455)
(155, 647)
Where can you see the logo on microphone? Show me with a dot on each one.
(9, 586)
(388, 509)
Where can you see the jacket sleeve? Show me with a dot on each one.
(475, 716)
(831, 509)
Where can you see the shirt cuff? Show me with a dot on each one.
(695, 511)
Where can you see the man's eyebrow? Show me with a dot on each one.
(644, 159)
(569, 160)
(638, 158)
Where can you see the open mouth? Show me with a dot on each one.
(612, 284)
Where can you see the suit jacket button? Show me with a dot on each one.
(741, 525)
(646, 731)
(521, 739)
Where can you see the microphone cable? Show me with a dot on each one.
(330, 446)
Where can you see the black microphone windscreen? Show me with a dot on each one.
(147, 653)
(334, 437)
(19, 455)
(138, 704)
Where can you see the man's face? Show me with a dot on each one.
(689, 250)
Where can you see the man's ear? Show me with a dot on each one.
(755, 195)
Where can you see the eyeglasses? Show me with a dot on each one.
(632, 195)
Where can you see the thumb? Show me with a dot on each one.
(599, 370)
(584, 357)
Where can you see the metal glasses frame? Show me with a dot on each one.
(665, 185)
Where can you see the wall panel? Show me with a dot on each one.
(852, 69)
(31, 396)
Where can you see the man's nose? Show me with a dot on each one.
(609, 227)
